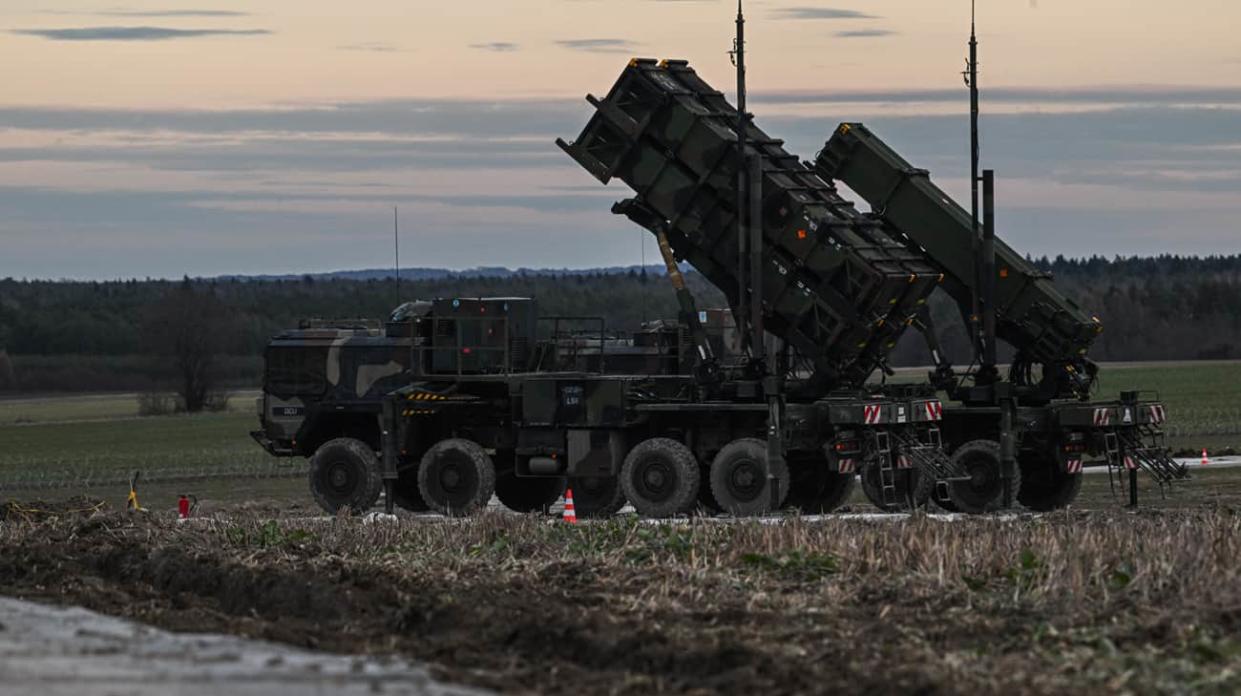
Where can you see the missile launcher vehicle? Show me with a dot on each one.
(767, 404)
(674, 140)
(1053, 426)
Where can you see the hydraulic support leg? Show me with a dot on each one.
(391, 427)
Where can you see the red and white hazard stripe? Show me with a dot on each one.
(847, 466)
(872, 414)
(904, 462)
(1130, 464)
(1073, 466)
(934, 410)
(1157, 413)
(1102, 416)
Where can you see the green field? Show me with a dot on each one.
(1203, 400)
(85, 407)
(80, 440)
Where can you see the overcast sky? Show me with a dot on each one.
(179, 137)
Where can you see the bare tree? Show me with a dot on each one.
(8, 379)
(191, 327)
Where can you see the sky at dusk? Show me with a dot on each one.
(274, 136)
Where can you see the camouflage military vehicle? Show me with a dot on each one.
(454, 399)
(830, 277)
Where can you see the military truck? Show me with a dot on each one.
(674, 139)
(487, 396)
(455, 399)
(488, 403)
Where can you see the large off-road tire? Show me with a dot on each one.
(1045, 485)
(527, 493)
(345, 473)
(707, 504)
(405, 493)
(456, 477)
(596, 496)
(814, 489)
(660, 478)
(984, 492)
(913, 490)
(740, 476)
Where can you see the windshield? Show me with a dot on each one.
(296, 371)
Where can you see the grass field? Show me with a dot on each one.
(1070, 603)
(79, 440)
(85, 407)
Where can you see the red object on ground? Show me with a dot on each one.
(183, 507)
(570, 515)
(1204, 457)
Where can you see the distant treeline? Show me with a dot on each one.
(1158, 308)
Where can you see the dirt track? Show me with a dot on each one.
(1066, 603)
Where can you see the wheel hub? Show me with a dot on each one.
(746, 480)
(338, 477)
(654, 478)
(450, 478)
(655, 481)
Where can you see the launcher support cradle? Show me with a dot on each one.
(706, 365)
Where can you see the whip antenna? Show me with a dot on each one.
(396, 251)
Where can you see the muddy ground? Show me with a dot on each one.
(1072, 602)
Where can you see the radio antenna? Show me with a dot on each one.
(743, 249)
(396, 251)
(971, 80)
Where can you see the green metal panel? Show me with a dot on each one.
(836, 284)
(1032, 315)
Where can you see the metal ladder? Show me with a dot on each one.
(1152, 456)
(930, 459)
(887, 470)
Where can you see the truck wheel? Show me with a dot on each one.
(344, 473)
(527, 493)
(707, 504)
(456, 477)
(405, 492)
(814, 489)
(912, 490)
(596, 496)
(739, 478)
(1045, 486)
(660, 478)
(984, 491)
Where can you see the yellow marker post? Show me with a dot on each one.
(131, 501)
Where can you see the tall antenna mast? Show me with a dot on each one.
(738, 60)
(396, 249)
(971, 79)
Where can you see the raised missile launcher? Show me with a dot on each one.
(835, 284)
(836, 287)
(1053, 429)
(1033, 316)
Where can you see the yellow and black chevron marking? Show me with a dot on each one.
(417, 412)
(425, 396)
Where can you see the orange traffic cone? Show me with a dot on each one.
(1204, 457)
(570, 515)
